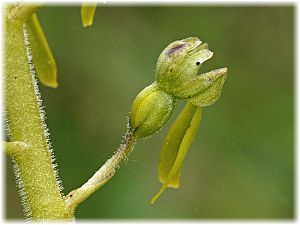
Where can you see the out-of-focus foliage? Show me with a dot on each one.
(241, 162)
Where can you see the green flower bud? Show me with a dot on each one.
(177, 68)
(179, 61)
(150, 111)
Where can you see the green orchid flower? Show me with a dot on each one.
(177, 68)
(176, 78)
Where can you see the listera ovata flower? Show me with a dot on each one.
(176, 78)
(177, 68)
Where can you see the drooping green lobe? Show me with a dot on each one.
(176, 145)
(171, 145)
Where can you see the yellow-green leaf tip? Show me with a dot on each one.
(88, 13)
(42, 57)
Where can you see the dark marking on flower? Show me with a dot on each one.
(176, 48)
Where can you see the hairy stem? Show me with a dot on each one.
(104, 174)
(35, 172)
(19, 11)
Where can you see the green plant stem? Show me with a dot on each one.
(104, 174)
(18, 12)
(35, 172)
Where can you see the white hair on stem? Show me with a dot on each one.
(40, 106)
(26, 209)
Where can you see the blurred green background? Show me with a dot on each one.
(241, 164)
